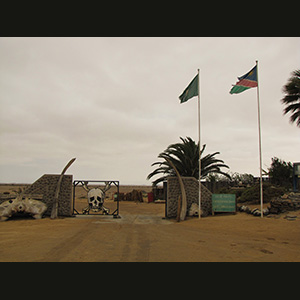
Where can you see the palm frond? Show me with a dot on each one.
(292, 97)
(185, 157)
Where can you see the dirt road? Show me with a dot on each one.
(142, 235)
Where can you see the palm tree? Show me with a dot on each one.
(185, 157)
(292, 97)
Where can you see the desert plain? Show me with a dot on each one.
(142, 234)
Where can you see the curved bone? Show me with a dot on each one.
(55, 202)
(183, 194)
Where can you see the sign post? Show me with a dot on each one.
(223, 203)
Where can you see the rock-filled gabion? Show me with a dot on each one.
(192, 193)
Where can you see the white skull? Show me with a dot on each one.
(95, 199)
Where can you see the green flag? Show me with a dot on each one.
(190, 91)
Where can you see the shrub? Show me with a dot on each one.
(252, 194)
(281, 172)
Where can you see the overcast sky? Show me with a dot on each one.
(113, 103)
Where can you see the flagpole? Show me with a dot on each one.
(199, 137)
(259, 143)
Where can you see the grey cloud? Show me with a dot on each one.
(113, 103)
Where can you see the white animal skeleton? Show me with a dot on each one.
(194, 210)
(96, 198)
(22, 205)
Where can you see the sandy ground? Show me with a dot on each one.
(142, 235)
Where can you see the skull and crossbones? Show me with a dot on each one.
(96, 198)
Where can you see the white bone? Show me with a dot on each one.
(22, 204)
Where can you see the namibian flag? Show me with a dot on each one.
(245, 82)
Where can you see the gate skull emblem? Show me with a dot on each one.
(96, 198)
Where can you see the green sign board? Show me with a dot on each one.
(223, 203)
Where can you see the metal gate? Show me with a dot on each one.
(83, 205)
